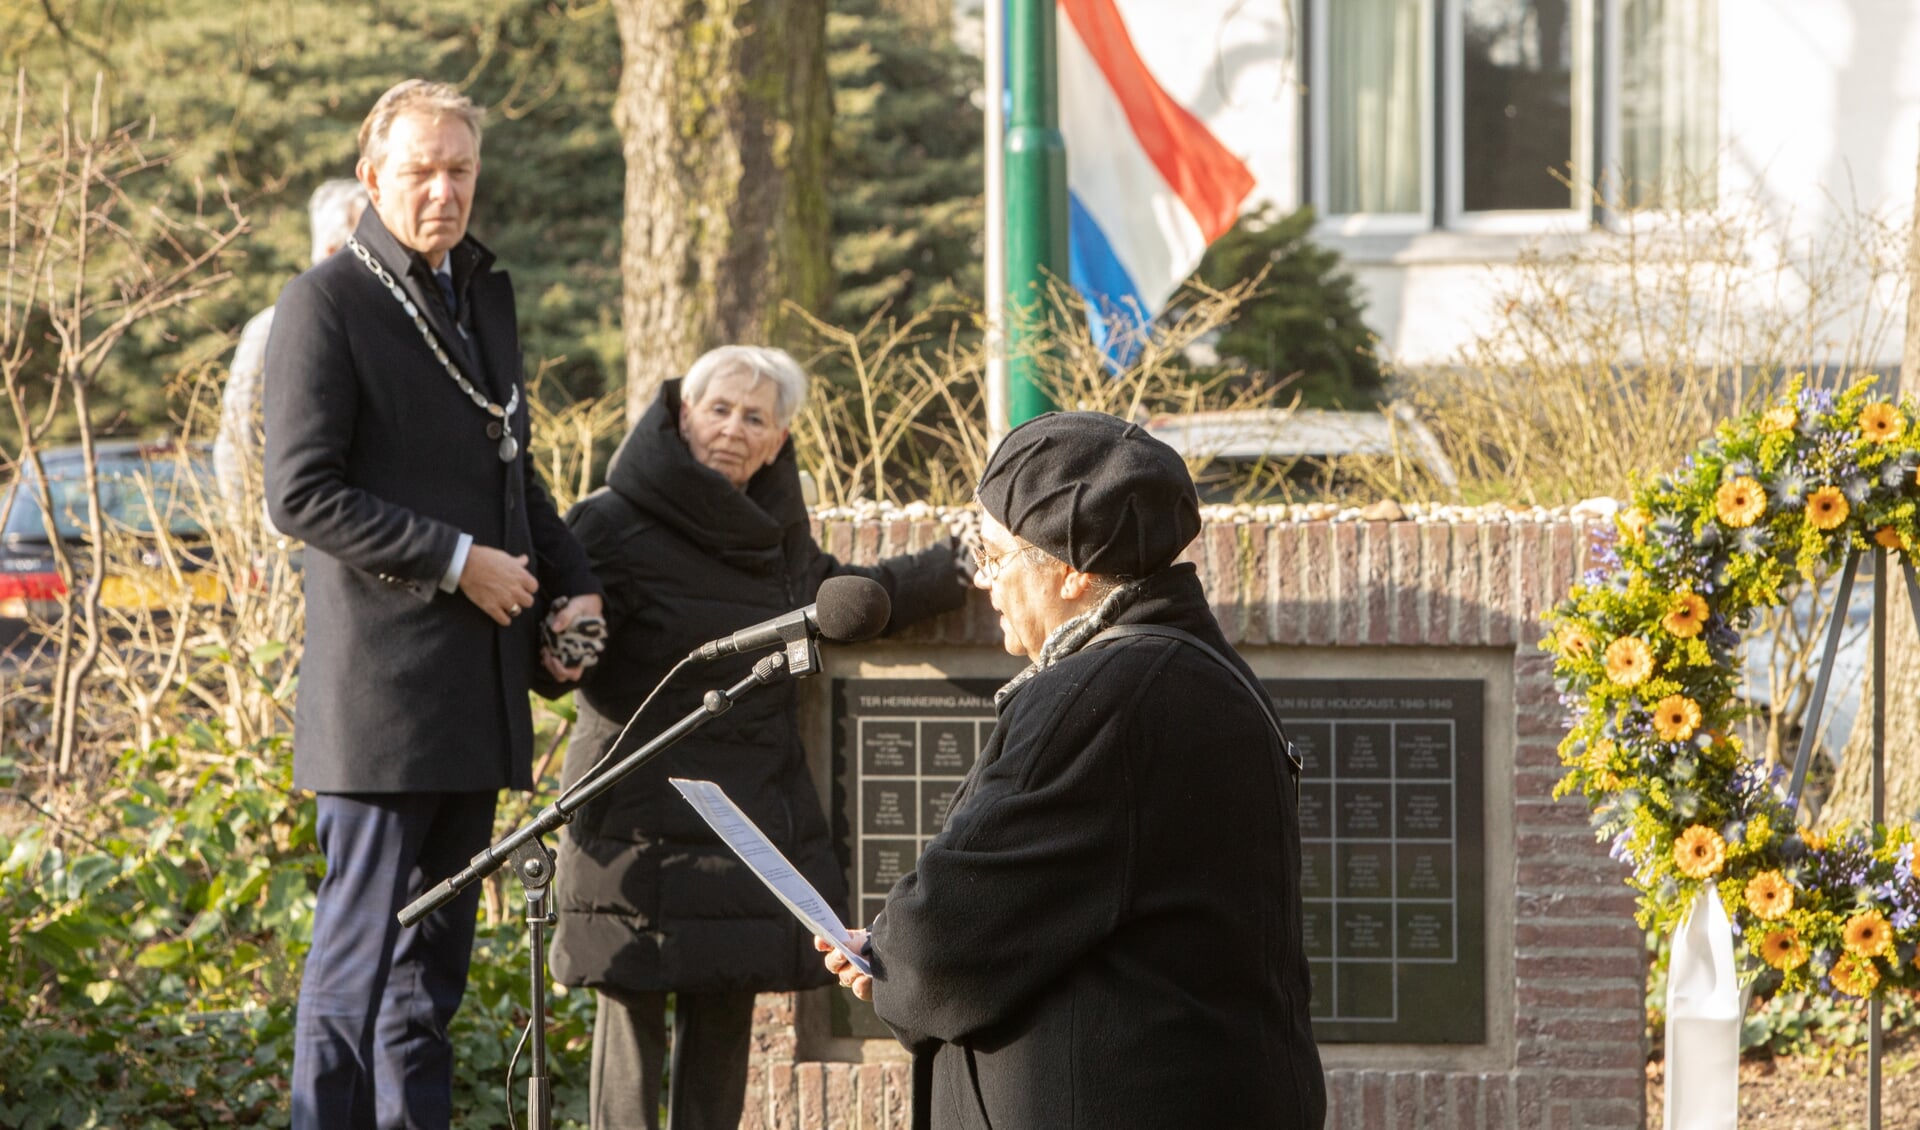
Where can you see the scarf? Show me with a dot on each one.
(1074, 634)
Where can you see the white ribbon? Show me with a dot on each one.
(1703, 1021)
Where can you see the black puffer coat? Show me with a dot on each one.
(649, 898)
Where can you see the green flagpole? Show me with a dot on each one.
(1036, 162)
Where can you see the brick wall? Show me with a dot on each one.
(1566, 1047)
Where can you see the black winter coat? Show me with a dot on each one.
(649, 898)
(377, 460)
(1107, 931)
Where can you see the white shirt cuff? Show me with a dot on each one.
(451, 581)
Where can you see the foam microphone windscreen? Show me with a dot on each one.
(849, 609)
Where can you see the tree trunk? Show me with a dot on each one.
(1852, 798)
(724, 116)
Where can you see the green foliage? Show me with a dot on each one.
(905, 179)
(1306, 317)
(148, 972)
(148, 976)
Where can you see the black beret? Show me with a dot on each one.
(1095, 491)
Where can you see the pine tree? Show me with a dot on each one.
(1306, 321)
(905, 179)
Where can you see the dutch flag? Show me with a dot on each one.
(1150, 185)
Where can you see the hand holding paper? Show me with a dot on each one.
(756, 851)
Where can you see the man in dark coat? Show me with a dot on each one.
(1107, 931)
(395, 437)
(700, 531)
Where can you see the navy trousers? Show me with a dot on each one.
(370, 1045)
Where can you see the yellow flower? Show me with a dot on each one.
(1629, 661)
(1689, 617)
(1633, 523)
(1759, 831)
(1574, 641)
(1783, 949)
(1600, 754)
(1813, 839)
(1855, 976)
(1740, 502)
(1827, 508)
(1867, 934)
(1779, 418)
(1675, 718)
(1607, 781)
(1769, 896)
(1881, 423)
(1699, 852)
(1887, 537)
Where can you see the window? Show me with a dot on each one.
(1492, 115)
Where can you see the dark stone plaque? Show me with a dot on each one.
(901, 749)
(1392, 856)
(1391, 852)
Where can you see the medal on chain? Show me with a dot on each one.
(501, 426)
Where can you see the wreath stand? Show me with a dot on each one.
(1877, 668)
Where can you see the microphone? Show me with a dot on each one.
(849, 609)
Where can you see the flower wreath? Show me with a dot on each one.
(1647, 662)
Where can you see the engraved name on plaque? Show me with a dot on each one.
(1391, 855)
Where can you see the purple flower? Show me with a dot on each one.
(1817, 400)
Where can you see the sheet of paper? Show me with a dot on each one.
(763, 859)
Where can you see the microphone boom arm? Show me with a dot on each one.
(801, 657)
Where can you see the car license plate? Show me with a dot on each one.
(157, 590)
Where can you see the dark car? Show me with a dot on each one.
(137, 482)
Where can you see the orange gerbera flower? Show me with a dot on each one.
(1740, 502)
(1629, 661)
(1633, 523)
(1689, 618)
(1575, 642)
(1887, 537)
(1769, 896)
(1779, 418)
(1783, 949)
(1675, 718)
(1827, 508)
(1699, 852)
(1881, 423)
(1867, 934)
(1855, 976)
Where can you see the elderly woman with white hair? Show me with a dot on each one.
(700, 531)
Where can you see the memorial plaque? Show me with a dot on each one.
(1392, 856)
(912, 741)
(1391, 850)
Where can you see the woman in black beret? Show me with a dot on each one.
(1107, 931)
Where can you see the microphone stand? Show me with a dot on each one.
(533, 862)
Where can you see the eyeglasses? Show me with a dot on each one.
(988, 565)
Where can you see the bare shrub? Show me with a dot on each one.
(898, 418)
(1613, 356)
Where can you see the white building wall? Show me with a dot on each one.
(1820, 117)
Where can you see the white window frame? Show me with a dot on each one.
(1369, 223)
(1578, 215)
(1448, 213)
